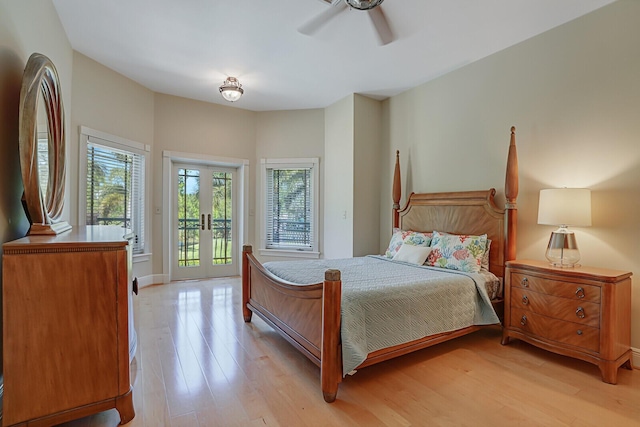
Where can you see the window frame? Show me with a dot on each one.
(312, 163)
(88, 135)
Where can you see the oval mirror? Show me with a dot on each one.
(42, 146)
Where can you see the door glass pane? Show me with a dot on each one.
(188, 217)
(221, 218)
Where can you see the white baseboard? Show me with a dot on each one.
(635, 357)
(152, 279)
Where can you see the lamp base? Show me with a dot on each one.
(562, 250)
(560, 265)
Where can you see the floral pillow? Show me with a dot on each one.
(409, 237)
(485, 257)
(457, 252)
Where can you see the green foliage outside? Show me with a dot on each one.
(109, 189)
(189, 218)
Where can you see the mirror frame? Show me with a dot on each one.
(43, 210)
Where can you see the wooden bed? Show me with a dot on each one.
(309, 316)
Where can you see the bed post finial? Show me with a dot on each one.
(511, 194)
(397, 191)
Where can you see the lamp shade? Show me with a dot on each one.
(565, 206)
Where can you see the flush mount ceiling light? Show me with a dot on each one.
(231, 89)
(363, 4)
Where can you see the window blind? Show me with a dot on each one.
(289, 208)
(115, 190)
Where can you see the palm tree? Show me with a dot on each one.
(109, 191)
(292, 194)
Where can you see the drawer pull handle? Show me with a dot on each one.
(580, 312)
(579, 332)
(525, 300)
(580, 292)
(523, 321)
(525, 282)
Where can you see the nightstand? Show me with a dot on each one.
(581, 312)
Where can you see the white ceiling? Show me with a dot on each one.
(188, 47)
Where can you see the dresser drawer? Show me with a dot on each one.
(576, 291)
(583, 312)
(561, 331)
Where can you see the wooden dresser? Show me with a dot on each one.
(66, 304)
(581, 312)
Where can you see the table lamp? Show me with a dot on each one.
(564, 207)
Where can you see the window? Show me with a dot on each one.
(291, 204)
(114, 190)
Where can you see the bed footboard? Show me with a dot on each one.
(308, 316)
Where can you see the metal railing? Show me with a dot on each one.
(291, 232)
(189, 241)
(122, 221)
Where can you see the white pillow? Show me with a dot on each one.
(413, 254)
(399, 237)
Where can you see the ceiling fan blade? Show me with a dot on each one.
(385, 34)
(314, 24)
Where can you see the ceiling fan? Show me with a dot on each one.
(372, 7)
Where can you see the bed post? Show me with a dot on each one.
(511, 194)
(246, 283)
(397, 191)
(331, 358)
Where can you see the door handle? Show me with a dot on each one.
(202, 221)
(209, 221)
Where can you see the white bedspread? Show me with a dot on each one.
(386, 303)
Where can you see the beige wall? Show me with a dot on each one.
(352, 197)
(106, 101)
(366, 165)
(288, 134)
(574, 95)
(338, 182)
(197, 128)
(26, 27)
(175, 124)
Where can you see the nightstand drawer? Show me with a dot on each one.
(561, 331)
(584, 312)
(576, 291)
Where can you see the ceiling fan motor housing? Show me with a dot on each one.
(363, 4)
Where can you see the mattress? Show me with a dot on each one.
(387, 303)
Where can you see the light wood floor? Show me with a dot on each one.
(199, 364)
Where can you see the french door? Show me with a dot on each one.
(204, 222)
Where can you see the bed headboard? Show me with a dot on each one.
(466, 212)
